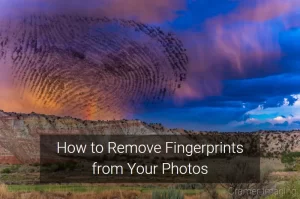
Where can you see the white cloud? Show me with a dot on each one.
(286, 112)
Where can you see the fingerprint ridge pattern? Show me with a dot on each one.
(93, 68)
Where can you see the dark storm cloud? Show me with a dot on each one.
(271, 86)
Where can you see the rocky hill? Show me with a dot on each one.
(19, 134)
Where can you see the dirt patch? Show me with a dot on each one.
(282, 175)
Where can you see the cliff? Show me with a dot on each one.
(19, 134)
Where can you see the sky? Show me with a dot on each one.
(248, 52)
(243, 72)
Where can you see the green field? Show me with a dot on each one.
(88, 188)
(23, 179)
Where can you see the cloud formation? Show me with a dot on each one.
(142, 10)
(243, 58)
(242, 43)
(286, 114)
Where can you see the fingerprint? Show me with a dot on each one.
(92, 68)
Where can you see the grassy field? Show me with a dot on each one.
(81, 188)
(289, 190)
(20, 184)
(76, 191)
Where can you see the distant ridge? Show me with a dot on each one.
(19, 134)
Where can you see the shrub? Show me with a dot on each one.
(289, 157)
(15, 168)
(297, 166)
(6, 170)
(167, 194)
(290, 160)
(60, 166)
(189, 186)
(290, 191)
(35, 164)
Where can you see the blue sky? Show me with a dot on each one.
(244, 62)
(266, 95)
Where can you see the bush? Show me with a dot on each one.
(290, 190)
(35, 164)
(60, 166)
(167, 194)
(291, 161)
(15, 168)
(297, 166)
(6, 170)
(289, 157)
(11, 169)
(189, 186)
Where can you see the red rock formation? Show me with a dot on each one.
(7, 157)
(19, 133)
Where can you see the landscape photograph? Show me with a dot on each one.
(139, 99)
